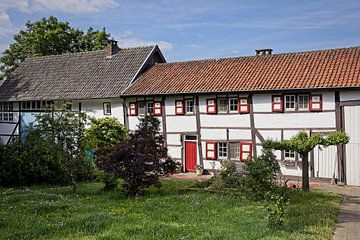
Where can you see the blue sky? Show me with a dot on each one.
(198, 29)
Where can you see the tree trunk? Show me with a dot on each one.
(74, 185)
(305, 171)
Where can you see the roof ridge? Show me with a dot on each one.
(85, 52)
(254, 56)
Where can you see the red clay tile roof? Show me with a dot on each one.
(303, 70)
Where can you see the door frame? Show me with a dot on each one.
(184, 148)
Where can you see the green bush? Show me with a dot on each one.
(34, 161)
(105, 132)
(261, 174)
(52, 152)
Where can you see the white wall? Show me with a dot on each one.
(349, 95)
(94, 108)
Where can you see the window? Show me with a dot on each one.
(6, 106)
(277, 103)
(157, 109)
(149, 107)
(6, 117)
(211, 106)
(245, 151)
(233, 104)
(303, 102)
(222, 150)
(189, 106)
(211, 150)
(244, 106)
(290, 102)
(141, 108)
(26, 105)
(179, 107)
(222, 105)
(107, 108)
(289, 155)
(315, 103)
(234, 150)
(11, 117)
(39, 105)
(132, 109)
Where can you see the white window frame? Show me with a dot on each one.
(106, 108)
(289, 155)
(301, 102)
(141, 110)
(11, 117)
(150, 107)
(222, 105)
(189, 106)
(232, 104)
(286, 102)
(236, 153)
(6, 117)
(222, 150)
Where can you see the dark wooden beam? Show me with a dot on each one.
(339, 126)
(252, 125)
(198, 128)
(163, 110)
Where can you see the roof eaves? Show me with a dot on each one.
(245, 91)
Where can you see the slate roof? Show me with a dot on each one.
(334, 68)
(84, 75)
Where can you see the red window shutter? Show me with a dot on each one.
(244, 105)
(157, 109)
(315, 103)
(277, 103)
(245, 151)
(211, 150)
(179, 107)
(133, 110)
(211, 106)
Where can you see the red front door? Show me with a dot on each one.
(190, 156)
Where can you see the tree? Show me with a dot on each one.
(67, 130)
(105, 132)
(302, 143)
(49, 36)
(140, 160)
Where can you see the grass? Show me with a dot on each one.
(42, 212)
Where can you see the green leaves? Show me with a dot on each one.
(49, 36)
(105, 132)
(303, 143)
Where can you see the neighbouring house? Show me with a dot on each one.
(210, 110)
(90, 81)
(225, 108)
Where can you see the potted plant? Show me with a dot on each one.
(199, 169)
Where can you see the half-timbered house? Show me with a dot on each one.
(226, 108)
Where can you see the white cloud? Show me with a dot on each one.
(6, 26)
(128, 39)
(21, 5)
(73, 6)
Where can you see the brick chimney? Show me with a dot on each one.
(261, 52)
(112, 48)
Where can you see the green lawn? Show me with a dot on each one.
(167, 213)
